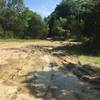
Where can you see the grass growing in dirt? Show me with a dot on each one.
(19, 40)
(77, 49)
(92, 60)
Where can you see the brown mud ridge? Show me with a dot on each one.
(35, 71)
(85, 73)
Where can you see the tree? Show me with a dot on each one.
(92, 26)
(17, 21)
(75, 12)
(37, 27)
(9, 14)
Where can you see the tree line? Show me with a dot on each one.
(76, 18)
(17, 21)
(70, 19)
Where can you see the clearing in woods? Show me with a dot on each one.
(42, 70)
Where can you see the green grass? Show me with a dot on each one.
(92, 60)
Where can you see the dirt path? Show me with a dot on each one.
(31, 71)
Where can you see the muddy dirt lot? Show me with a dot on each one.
(35, 71)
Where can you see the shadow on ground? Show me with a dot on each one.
(85, 73)
(75, 49)
(54, 85)
(67, 83)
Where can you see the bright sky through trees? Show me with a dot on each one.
(42, 7)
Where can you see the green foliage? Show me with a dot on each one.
(37, 27)
(92, 26)
(81, 17)
(73, 11)
(17, 21)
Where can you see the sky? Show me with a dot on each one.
(42, 7)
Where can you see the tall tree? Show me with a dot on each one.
(92, 25)
(75, 12)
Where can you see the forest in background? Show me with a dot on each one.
(17, 21)
(75, 19)
(79, 19)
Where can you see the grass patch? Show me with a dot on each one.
(19, 40)
(92, 60)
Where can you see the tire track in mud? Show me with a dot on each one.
(40, 63)
(13, 71)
